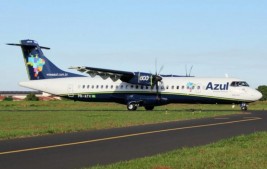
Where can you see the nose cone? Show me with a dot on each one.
(258, 95)
(254, 95)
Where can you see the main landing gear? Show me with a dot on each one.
(244, 106)
(132, 106)
(149, 108)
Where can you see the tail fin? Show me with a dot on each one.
(37, 65)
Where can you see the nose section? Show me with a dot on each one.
(258, 95)
(253, 94)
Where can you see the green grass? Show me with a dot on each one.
(242, 152)
(23, 119)
(71, 105)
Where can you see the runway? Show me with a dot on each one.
(84, 149)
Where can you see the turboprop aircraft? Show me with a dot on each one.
(133, 89)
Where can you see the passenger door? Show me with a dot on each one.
(70, 90)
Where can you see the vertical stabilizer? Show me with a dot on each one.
(37, 65)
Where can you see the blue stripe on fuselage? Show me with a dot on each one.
(172, 98)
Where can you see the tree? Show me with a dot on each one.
(8, 98)
(263, 90)
(31, 97)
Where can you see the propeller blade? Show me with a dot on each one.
(157, 89)
(156, 78)
(156, 66)
(161, 68)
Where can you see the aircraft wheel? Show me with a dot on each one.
(131, 107)
(244, 108)
(149, 107)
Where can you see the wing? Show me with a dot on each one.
(106, 73)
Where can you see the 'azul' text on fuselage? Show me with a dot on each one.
(217, 86)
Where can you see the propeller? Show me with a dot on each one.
(156, 78)
(188, 73)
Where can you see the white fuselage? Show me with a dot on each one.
(188, 87)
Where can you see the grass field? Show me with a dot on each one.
(23, 119)
(242, 152)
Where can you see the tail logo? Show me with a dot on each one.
(37, 64)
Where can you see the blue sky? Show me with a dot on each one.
(216, 37)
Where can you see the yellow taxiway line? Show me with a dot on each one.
(125, 136)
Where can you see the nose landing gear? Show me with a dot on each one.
(244, 106)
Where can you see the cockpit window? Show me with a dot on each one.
(234, 84)
(239, 83)
(243, 84)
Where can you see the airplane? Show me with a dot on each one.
(134, 89)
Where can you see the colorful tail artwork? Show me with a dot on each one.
(37, 65)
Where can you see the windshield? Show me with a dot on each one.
(239, 83)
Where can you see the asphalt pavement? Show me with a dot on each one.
(89, 148)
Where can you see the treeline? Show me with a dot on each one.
(29, 97)
(263, 90)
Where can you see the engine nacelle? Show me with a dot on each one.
(141, 78)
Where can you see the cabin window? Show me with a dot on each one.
(162, 87)
(117, 86)
(121, 86)
(102, 86)
(193, 87)
(97, 86)
(177, 87)
(88, 86)
(146, 87)
(106, 86)
(182, 87)
(198, 87)
(111, 86)
(93, 86)
(167, 87)
(136, 86)
(152, 87)
(126, 86)
(83, 86)
(142, 87)
(131, 86)
(172, 87)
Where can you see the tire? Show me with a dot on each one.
(244, 108)
(149, 108)
(131, 107)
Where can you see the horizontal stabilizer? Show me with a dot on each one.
(30, 45)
